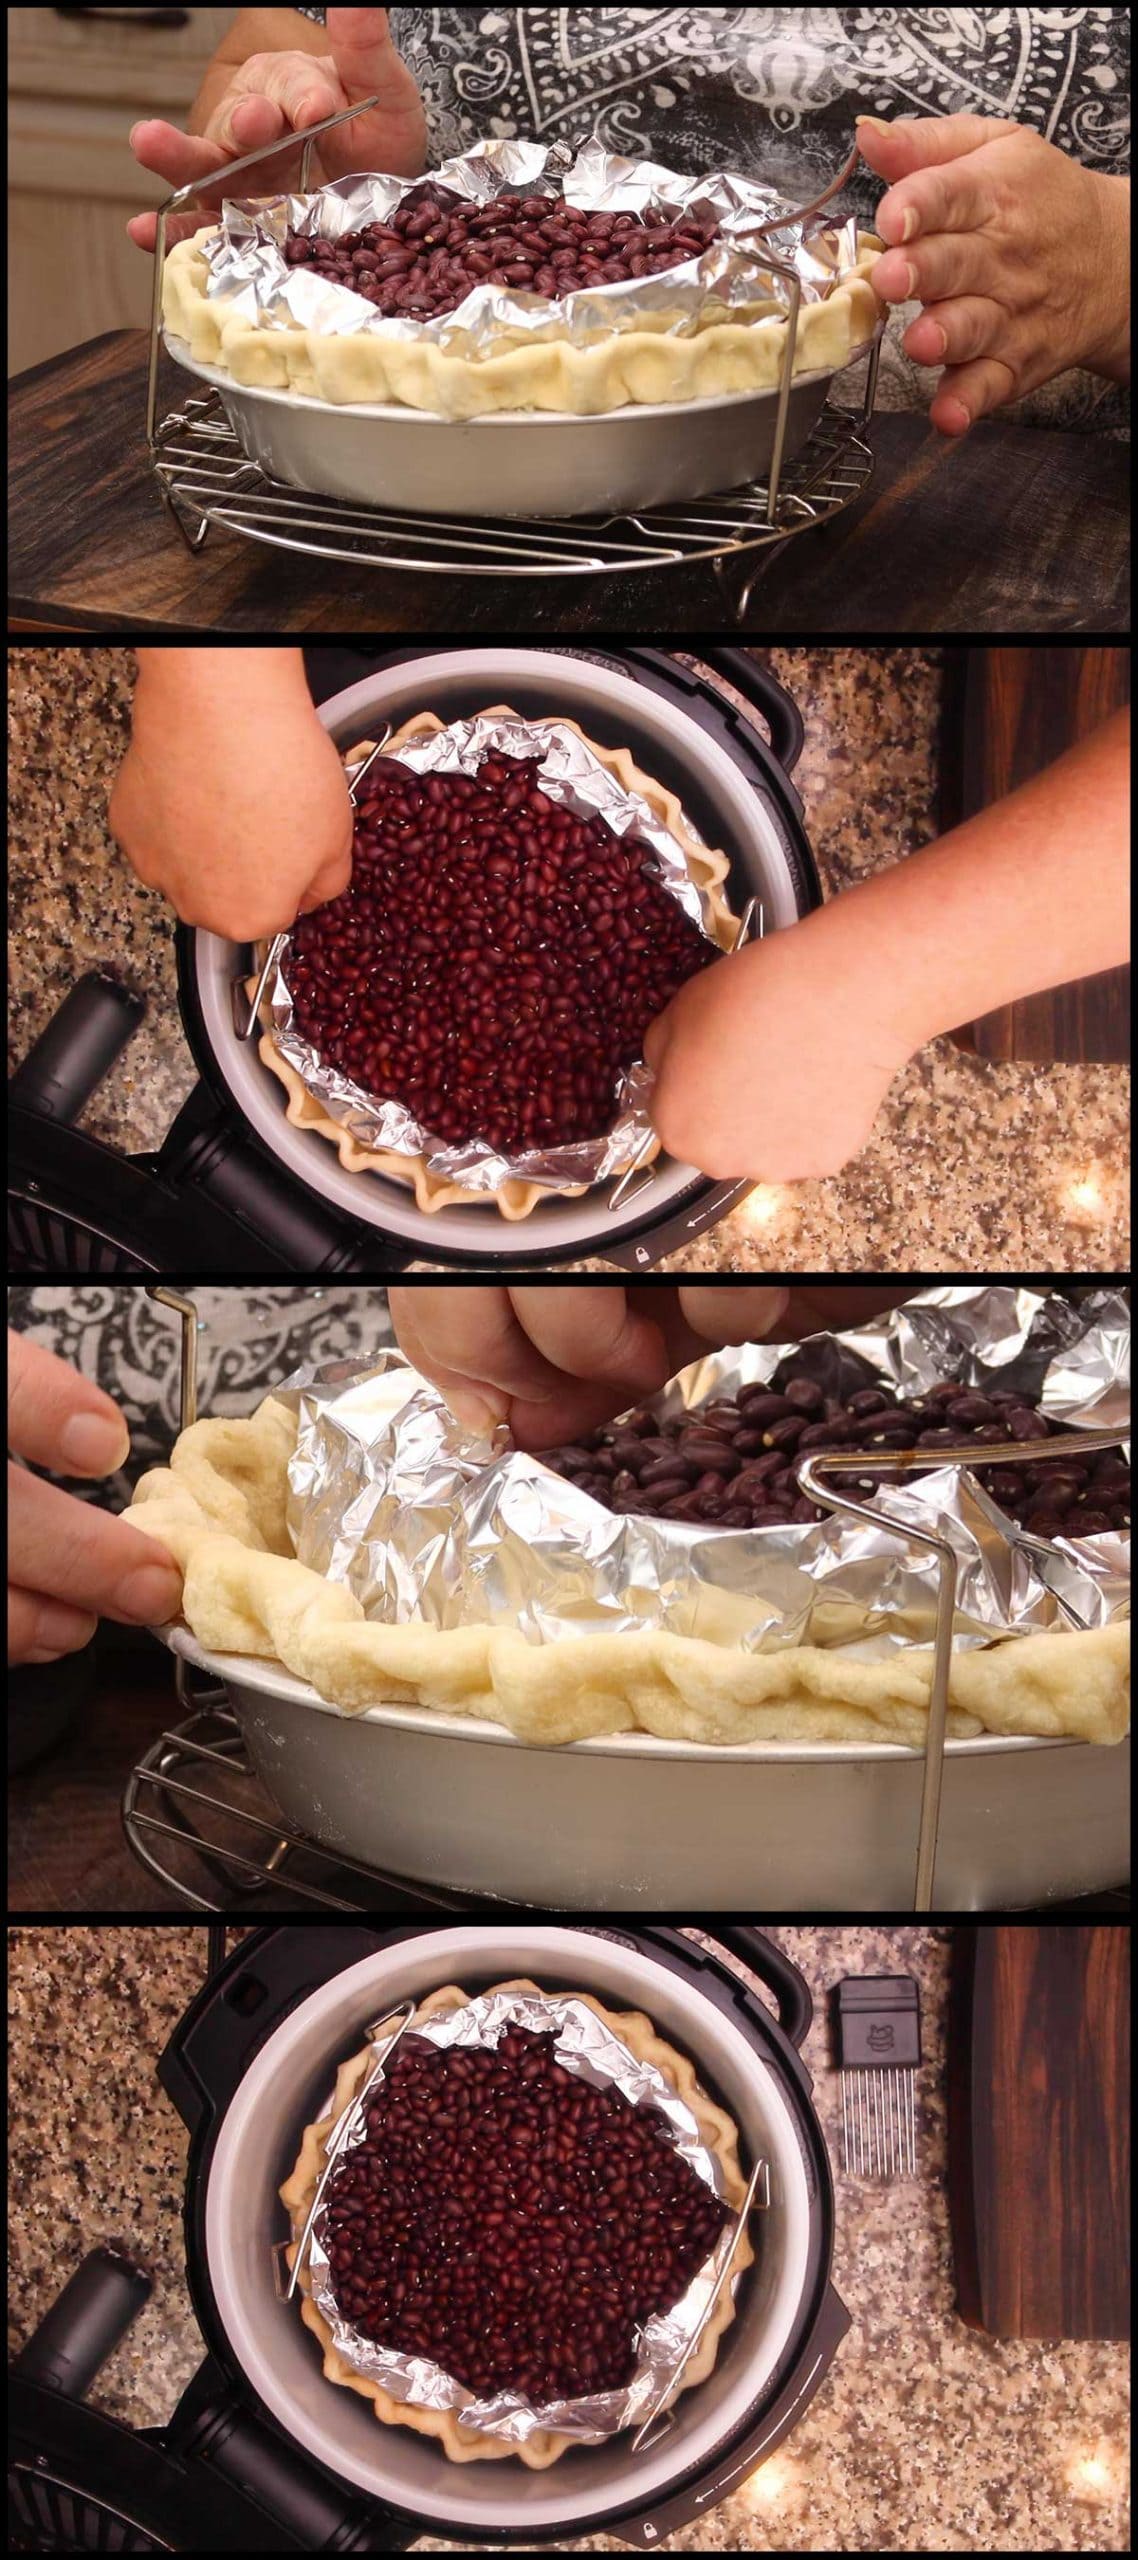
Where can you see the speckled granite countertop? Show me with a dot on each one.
(924, 2436)
(973, 1160)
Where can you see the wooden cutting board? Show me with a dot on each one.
(1010, 712)
(1039, 2130)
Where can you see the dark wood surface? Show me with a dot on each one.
(1011, 712)
(1014, 529)
(1039, 2131)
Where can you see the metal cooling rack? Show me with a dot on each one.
(206, 479)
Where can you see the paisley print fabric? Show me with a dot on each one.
(774, 92)
(249, 1339)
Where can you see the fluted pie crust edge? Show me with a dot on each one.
(513, 1198)
(467, 2444)
(220, 1509)
(630, 367)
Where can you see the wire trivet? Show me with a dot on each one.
(208, 480)
(201, 1821)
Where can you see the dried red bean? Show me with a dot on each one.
(731, 1464)
(446, 246)
(461, 974)
(525, 2222)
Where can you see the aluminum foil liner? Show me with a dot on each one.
(248, 269)
(422, 1520)
(575, 779)
(589, 2049)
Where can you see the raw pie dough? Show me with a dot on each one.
(467, 2444)
(220, 1509)
(628, 366)
(513, 1198)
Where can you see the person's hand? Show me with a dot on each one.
(68, 1562)
(555, 1361)
(232, 798)
(1019, 255)
(810, 1061)
(273, 95)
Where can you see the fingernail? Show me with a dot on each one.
(877, 124)
(150, 1593)
(61, 1630)
(474, 1411)
(94, 1444)
(910, 289)
(773, 1313)
(911, 223)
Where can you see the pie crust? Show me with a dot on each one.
(515, 1199)
(545, 2445)
(632, 366)
(220, 1509)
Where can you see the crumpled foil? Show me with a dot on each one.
(589, 2049)
(423, 1520)
(248, 269)
(575, 779)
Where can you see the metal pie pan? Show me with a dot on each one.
(519, 463)
(629, 1822)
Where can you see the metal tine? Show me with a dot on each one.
(346, 2125)
(810, 1476)
(760, 2177)
(245, 1021)
(627, 1189)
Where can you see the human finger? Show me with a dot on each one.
(476, 1347)
(57, 1418)
(953, 332)
(295, 87)
(967, 392)
(40, 1630)
(934, 270)
(894, 146)
(176, 156)
(86, 1557)
(329, 882)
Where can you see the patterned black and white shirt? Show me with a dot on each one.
(248, 1340)
(774, 92)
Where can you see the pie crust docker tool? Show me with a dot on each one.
(879, 2053)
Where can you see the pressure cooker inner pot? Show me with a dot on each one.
(718, 795)
(290, 2080)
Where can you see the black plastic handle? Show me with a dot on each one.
(85, 2323)
(778, 707)
(790, 1987)
(69, 1060)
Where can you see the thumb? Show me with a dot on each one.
(359, 41)
(923, 142)
(333, 877)
(657, 1041)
